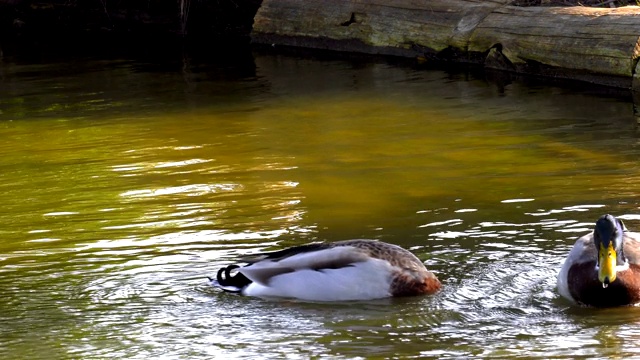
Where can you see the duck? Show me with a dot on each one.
(603, 267)
(358, 269)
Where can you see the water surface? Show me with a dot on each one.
(126, 180)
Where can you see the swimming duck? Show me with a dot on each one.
(603, 268)
(339, 271)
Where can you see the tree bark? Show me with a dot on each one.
(592, 44)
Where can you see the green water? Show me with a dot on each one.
(126, 180)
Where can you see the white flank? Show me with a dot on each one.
(572, 258)
(364, 280)
(263, 270)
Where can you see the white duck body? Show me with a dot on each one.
(341, 271)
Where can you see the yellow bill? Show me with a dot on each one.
(607, 261)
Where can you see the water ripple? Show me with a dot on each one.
(121, 195)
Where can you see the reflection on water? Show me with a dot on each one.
(126, 181)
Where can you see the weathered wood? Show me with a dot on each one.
(592, 40)
(594, 44)
(400, 27)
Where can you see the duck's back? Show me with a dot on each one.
(346, 270)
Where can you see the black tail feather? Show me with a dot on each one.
(231, 283)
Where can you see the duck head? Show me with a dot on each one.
(608, 239)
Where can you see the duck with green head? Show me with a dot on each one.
(603, 268)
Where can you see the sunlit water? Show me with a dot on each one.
(125, 181)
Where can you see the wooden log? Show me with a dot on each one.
(593, 44)
(400, 27)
